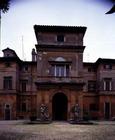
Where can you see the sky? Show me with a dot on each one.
(18, 33)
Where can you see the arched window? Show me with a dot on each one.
(60, 67)
(60, 59)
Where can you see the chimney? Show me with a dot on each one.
(33, 55)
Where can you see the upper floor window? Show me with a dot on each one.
(60, 70)
(60, 38)
(24, 107)
(26, 68)
(107, 84)
(24, 85)
(7, 84)
(90, 69)
(108, 66)
(91, 85)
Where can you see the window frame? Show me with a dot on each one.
(7, 82)
(24, 85)
(60, 38)
(60, 70)
(91, 85)
(107, 84)
(24, 108)
(108, 66)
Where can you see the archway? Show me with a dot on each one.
(59, 106)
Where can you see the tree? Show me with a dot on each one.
(112, 10)
(4, 7)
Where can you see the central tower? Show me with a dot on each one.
(59, 64)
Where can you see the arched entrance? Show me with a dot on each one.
(59, 106)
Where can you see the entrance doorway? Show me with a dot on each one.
(7, 112)
(107, 110)
(59, 107)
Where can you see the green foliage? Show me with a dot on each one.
(4, 5)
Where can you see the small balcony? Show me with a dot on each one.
(51, 82)
(105, 92)
(60, 79)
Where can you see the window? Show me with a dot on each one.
(24, 107)
(91, 85)
(60, 70)
(107, 84)
(107, 110)
(23, 85)
(25, 68)
(108, 66)
(91, 69)
(7, 82)
(60, 38)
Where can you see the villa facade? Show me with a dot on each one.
(56, 77)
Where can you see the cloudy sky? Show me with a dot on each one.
(17, 24)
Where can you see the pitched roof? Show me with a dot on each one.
(105, 61)
(8, 49)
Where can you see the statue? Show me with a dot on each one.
(44, 112)
(76, 112)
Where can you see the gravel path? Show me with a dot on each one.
(18, 130)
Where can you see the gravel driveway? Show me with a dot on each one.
(18, 130)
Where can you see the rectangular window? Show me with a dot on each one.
(60, 38)
(60, 70)
(108, 66)
(24, 107)
(108, 84)
(24, 85)
(91, 85)
(25, 68)
(90, 69)
(7, 82)
(107, 110)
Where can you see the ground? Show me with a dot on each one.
(19, 130)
